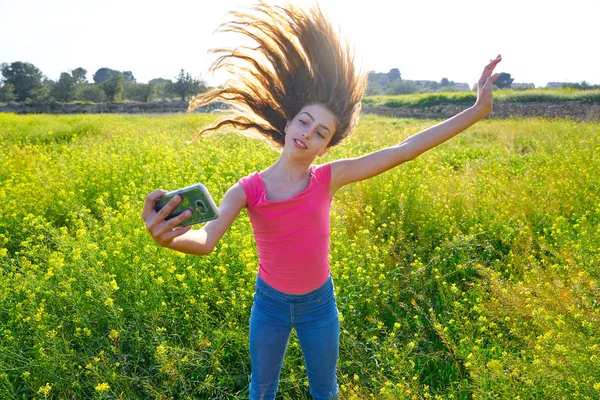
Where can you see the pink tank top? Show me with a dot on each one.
(292, 235)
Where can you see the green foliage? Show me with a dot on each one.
(93, 93)
(160, 88)
(139, 91)
(402, 87)
(394, 75)
(7, 92)
(504, 80)
(79, 75)
(104, 74)
(469, 272)
(185, 86)
(128, 76)
(65, 88)
(25, 78)
(113, 87)
(391, 83)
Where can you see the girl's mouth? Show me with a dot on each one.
(299, 144)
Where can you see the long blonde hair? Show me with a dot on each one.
(298, 59)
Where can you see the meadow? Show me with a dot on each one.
(471, 272)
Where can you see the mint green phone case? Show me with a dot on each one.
(195, 198)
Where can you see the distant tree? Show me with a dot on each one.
(104, 74)
(374, 89)
(93, 93)
(128, 75)
(504, 80)
(583, 85)
(158, 80)
(46, 92)
(394, 75)
(25, 78)
(79, 75)
(160, 87)
(185, 86)
(7, 92)
(403, 87)
(379, 77)
(138, 91)
(113, 87)
(377, 82)
(64, 90)
(444, 82)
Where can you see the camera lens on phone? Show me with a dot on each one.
(201, 207)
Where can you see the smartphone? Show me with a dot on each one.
(195, 198)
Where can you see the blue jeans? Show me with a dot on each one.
(315, 317)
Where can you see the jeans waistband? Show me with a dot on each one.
(270, 290)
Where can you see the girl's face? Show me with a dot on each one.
(309, 133)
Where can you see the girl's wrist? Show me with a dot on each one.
(480, 110)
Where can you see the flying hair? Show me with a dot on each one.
(299, 59)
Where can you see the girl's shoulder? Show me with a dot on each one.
(322, 172)
(252, 186)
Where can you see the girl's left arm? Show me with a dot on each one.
(351, 170)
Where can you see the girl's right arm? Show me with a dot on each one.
(197, 242)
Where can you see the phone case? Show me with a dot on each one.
(195, 198)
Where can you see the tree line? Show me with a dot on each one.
(23, 81)
(391, 83)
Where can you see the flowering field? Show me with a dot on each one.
(469, 272)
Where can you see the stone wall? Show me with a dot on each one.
(569, 109)
(109, 108)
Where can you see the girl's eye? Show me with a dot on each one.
(302, 122)
(320, 135)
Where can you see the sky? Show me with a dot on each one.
(540, 41)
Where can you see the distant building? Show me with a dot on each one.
(558, 85)
(464, 87)
(520, 86)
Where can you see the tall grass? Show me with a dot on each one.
(470, 272)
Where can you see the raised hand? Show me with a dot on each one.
(484, 86)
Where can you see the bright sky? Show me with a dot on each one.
(540, 41)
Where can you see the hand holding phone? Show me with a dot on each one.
(194, 198)
(171, 214)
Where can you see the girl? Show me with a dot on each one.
(299, 89)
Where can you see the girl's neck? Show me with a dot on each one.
(287, 169)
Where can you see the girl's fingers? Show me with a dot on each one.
(170, 206)
(494, 61)
(487, 71)
(490, 80)
(174, 222)
(155, 222)
(165, 227)
(149, 203)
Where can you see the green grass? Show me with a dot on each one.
(466, 98)
(469, 272)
